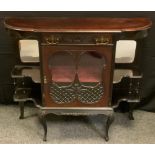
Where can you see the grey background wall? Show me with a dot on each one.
(8, 57)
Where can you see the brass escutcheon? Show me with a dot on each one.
(102, 40)
(52, 40)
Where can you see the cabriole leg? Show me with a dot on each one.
(110, 119)
(42, 118)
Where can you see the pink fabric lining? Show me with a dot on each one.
(89, 74)
(63, 74)
(67, 74)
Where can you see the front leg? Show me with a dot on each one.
(110, 119)
(42, 118)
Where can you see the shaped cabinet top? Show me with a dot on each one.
(64, 24)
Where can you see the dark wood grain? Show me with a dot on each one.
(78, 24)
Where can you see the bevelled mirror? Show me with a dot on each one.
(29, 51)
(125, 51)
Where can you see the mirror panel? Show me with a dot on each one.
(29, 51)
(125, 51)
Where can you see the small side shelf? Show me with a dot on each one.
(26, 71)
(119, 74)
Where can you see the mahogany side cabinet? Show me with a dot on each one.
(74, 71)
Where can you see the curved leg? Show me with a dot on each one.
(131, 108)
(131, 115)
(42, 118)
(21, 105)
(108, 123)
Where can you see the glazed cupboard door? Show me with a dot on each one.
(77, 76)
